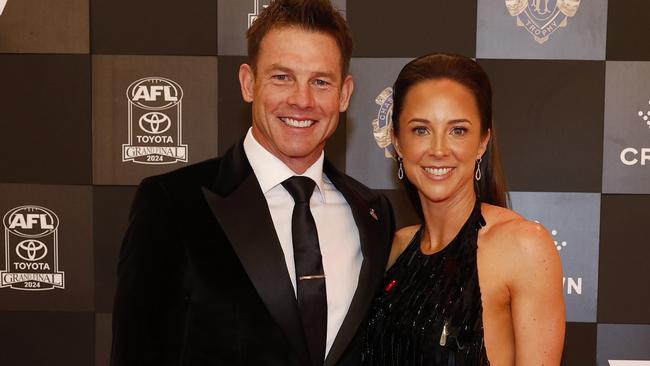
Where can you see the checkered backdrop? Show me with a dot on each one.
(97, 94)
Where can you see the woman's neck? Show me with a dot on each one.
(443, 220)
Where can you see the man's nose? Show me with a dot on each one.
(302, 96)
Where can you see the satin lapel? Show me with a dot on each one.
(241, 209)
(370, 236)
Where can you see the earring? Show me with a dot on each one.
(477, 174)
(400, 169)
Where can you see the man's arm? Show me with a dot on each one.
(150, 297)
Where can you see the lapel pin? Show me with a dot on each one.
(373, 214)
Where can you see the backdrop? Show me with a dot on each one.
(97, 94)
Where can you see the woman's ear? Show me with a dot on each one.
(485, 140)
(395, 143)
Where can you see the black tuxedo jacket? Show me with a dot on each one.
(202, 278)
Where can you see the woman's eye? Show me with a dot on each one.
(459, 131)
(420, 131)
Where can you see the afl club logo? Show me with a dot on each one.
(2, 5)
(382, 126)
(155, 122)
(256, 12)
(31, 249)
(541, 18)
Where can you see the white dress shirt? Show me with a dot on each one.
(338, 235)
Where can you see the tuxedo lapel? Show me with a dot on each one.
(370, 236)
(238, 203)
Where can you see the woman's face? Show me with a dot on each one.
(440, 138)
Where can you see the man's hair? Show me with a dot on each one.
(311, 15)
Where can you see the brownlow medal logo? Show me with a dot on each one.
(541, 18)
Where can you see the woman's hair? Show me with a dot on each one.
(467, 72)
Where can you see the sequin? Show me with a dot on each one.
(390, 285)
(435, 316)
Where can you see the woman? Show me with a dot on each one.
(476, 281)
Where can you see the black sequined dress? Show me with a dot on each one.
(428, 311)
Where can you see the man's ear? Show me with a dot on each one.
(246, 82)
(346, 92)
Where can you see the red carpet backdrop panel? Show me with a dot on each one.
(98, 94)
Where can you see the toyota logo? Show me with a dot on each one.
(155, 123)
(31, 250)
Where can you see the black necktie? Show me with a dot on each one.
(310, 277)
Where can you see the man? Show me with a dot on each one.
(212, 269)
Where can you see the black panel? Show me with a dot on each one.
(580, 345)
(384, 28)
(69, 248)
(335, 149)
(47, 339)
(103, 339)
(549, 122)
(111, 214)
(404, 213)
(154, 27)
(37, 26)
(623, 295)
(627, 30)
(234, 114)
(46, 123)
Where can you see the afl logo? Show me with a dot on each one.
(31, 250)
(154, 93)
(155, 123)
(31, 221)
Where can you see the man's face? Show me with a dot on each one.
(297, 91)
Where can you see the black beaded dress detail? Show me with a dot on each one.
(429, 311)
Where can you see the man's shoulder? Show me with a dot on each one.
(197, 174)
(339, 178)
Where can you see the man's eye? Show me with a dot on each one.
(281, 77)
(320, 82)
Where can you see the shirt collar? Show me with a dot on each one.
(271, 171)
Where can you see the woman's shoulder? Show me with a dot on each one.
(401, 240)
(522, 250)
(404, 235)
(513, 237)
